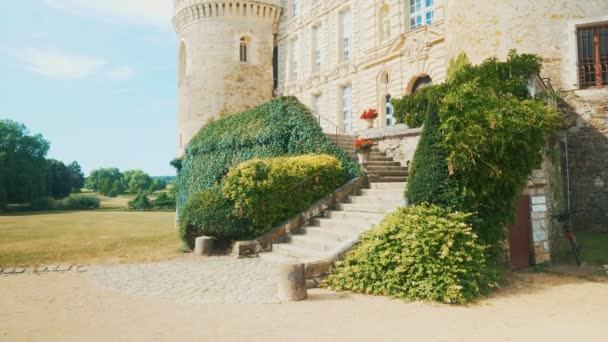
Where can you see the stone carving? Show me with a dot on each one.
(384, 23)
(417, 43)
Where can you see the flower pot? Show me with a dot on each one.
(369, 123)
(363, 156)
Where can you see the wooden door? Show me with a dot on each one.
(520, 236)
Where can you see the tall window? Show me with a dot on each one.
(592, 56)
(319, 104)
(421, 13)
(346, 36)
(389, 111)
(183, 62)
(293, 57)
(347, 108)
(243, 50)
(317, 48)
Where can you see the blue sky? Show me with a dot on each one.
(96, 77)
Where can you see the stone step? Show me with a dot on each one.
(342, 227)
(384, 168)
(386, 179)
(388, 186)
(380, 158)
(344, 215)
(290, 250)
(341, 235)
(382, 163)
(277, 258)
(378, 207)
(388, 173)
(318, 243)
(393, 197)
(380, 194)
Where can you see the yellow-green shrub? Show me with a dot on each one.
(269, 191)
(419, 253)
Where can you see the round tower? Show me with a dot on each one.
(225, 61)
(484, 29)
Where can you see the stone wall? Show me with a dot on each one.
(398, 142)
(587, 113)
(213, 82)
(398, 53)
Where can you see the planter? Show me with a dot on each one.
(369, 123)
(363, 156)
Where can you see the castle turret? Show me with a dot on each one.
(225, 59)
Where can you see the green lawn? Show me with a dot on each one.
(594, 248)
(87, 237)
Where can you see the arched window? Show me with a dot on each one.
(183, 61)
(389, 110)
(243, 49)
(421, 82)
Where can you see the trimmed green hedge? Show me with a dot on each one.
(258, 195)
(282, 127)
(418, 253)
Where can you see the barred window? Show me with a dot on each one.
(243, 50)
(592, 44)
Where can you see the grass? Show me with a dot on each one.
(594, 248)
(86, 237)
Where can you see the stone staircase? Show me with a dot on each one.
(337, 230)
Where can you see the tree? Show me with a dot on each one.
(136, 181)
(23, 174)
(140, 202)
(157, 184)
(59, 179)
(102, 180)
(77, 176)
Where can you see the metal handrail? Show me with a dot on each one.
(541, 86)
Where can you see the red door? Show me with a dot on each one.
(520, 236)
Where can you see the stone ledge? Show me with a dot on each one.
(396, 131)
(7, 271)
(264, 243)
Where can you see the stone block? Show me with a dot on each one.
(203, 246)
(292, 283)
(63, 268)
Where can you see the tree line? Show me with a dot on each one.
(25, 172)
(111, 182)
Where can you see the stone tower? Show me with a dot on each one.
(225, 59)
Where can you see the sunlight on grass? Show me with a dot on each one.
(87, 237)
(594, 248)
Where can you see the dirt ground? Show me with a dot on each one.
(533, 307)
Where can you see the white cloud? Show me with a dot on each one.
(121, 73)
(140, 12)
(56, 64)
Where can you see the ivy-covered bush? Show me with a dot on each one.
(259, 194)
(268, 191)
(492, 132)
(80, 202)
(418, 253)
(282, 127)
(209, 213)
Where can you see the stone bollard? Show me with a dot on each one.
(203, 246)
(292, 282)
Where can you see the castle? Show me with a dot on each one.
(341, 57)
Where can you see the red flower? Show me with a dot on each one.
(369, 114)
(363, 144)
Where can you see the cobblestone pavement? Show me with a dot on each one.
(205, 280)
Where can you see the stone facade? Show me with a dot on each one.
(213, 79)
(386, 56)
(398, 142)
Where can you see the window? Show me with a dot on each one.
(317, 48)
(421, 82)
(293, 57)
(319, 104)
(347, 108)
(389, 111)
(592, 56)
(346, 36)
(183, 62)
(243, 50)
(421, 13)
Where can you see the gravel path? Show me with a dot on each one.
(219, 280)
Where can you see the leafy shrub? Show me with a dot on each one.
(42, 204)
(492, 133)
(418, 253)
(164, 201)
(140, 202)
(209, 213)
(282, 127)
(269, 191)
(80, 202)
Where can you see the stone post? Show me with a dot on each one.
(203, 246)
(292, 282)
